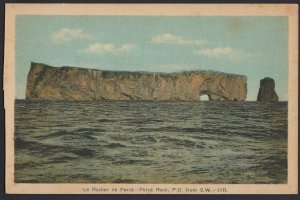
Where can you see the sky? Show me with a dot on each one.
(253, 46)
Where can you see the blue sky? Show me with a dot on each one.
(253, 46)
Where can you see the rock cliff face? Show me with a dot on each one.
(267, 90)
(71, 83)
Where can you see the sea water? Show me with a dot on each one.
(150, 142)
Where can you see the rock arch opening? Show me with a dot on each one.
(203, 97)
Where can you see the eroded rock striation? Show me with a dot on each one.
(267, 91)
(71, 83)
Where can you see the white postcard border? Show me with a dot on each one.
(289, 10)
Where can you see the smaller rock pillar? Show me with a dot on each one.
(266, 91)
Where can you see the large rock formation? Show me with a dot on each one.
(267, 90)
(46, 82)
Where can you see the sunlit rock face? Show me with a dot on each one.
(267, 91)
(72, 83)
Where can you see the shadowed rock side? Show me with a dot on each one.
(267, 90)
(46, 82)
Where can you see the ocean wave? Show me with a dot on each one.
(150, 142)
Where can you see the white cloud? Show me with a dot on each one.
(99, 48)
(126, 47)
(223, 52)
(216, 52)
(66, 35)
(173, 39)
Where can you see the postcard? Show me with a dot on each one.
(151, 99)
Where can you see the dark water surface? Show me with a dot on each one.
(150, 142)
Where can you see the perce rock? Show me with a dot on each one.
(71, 83)
(266, 91)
